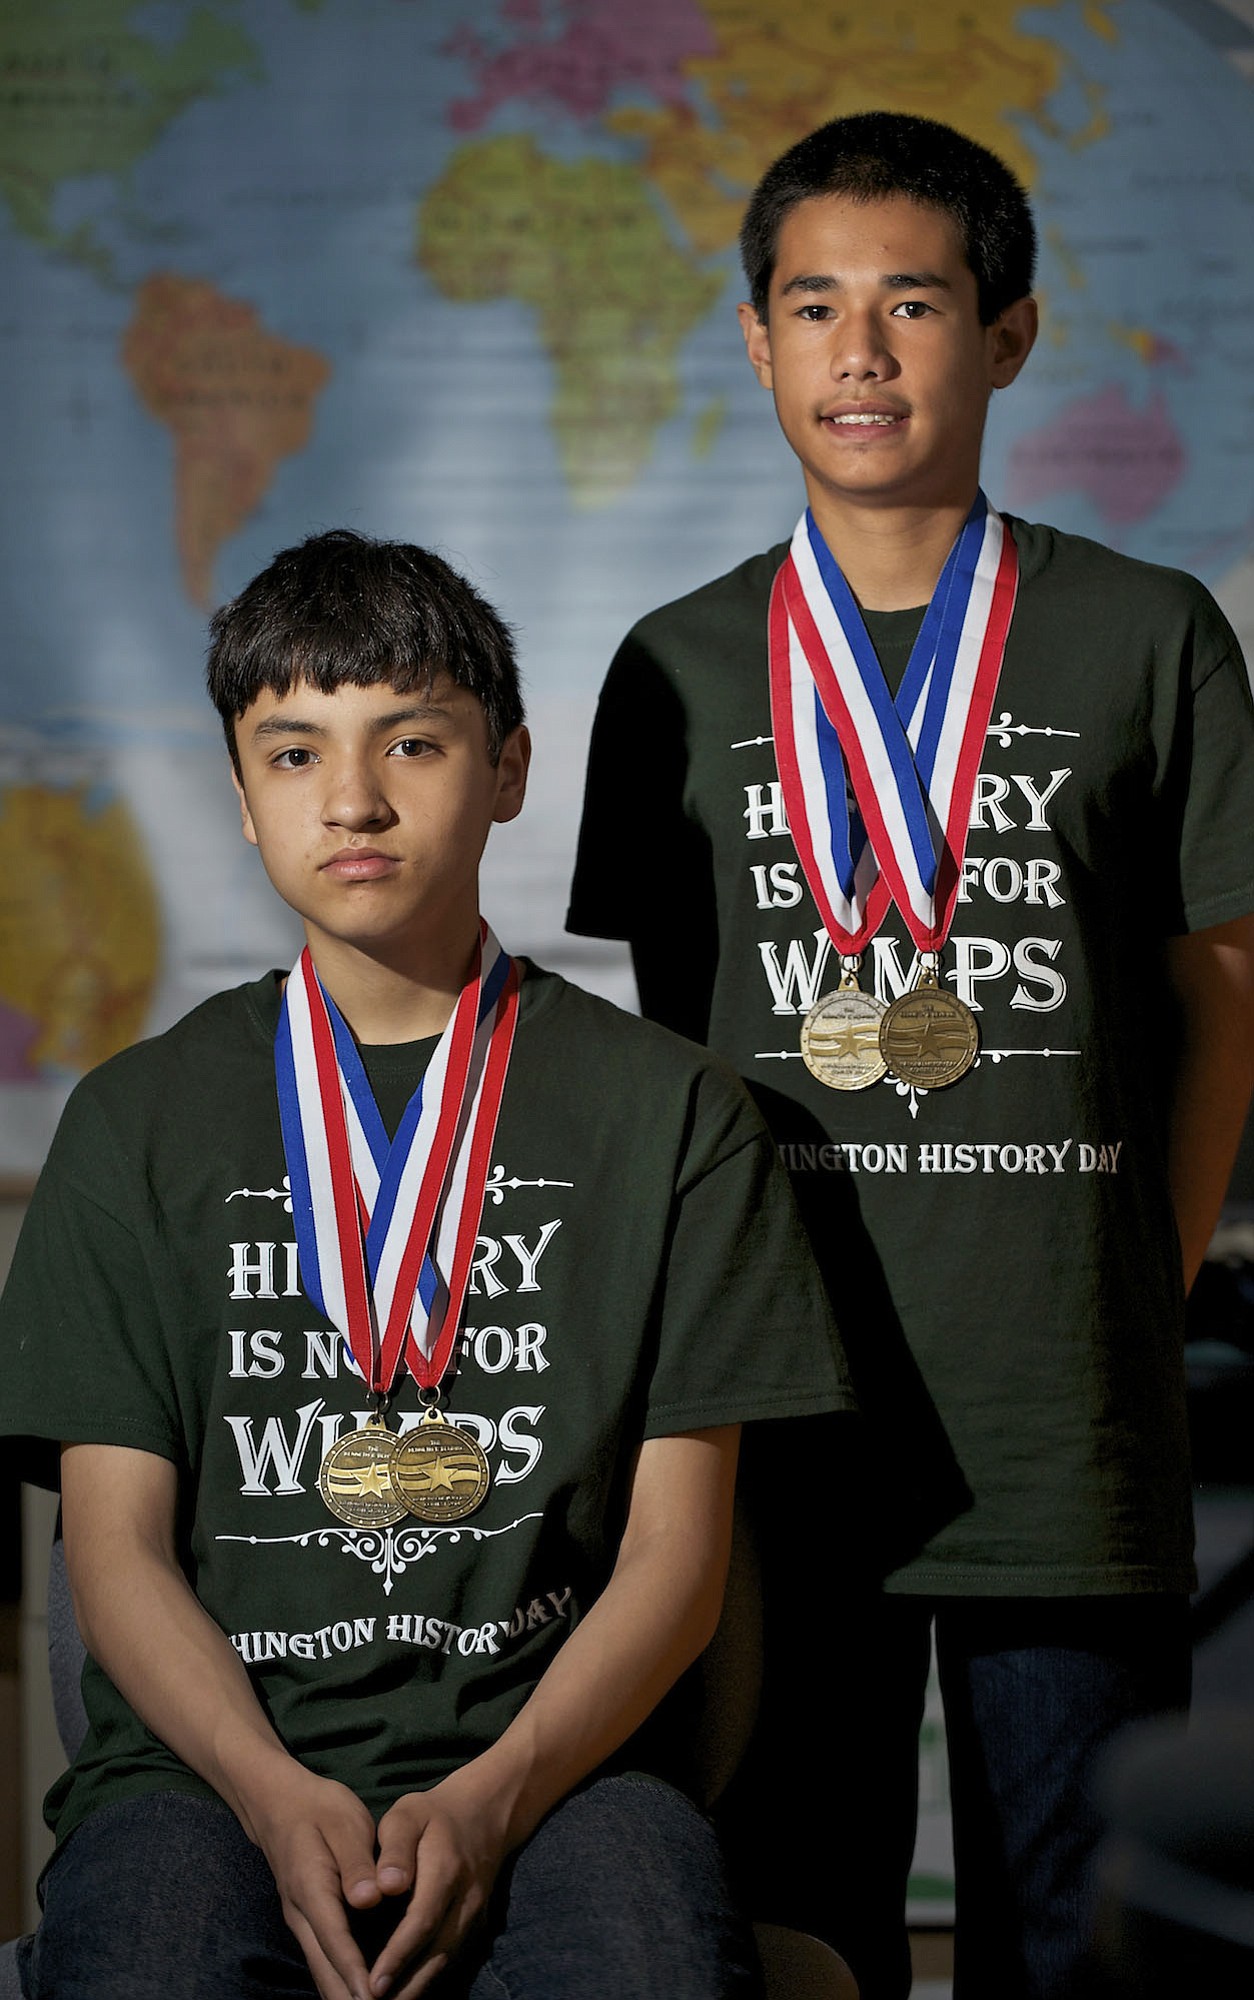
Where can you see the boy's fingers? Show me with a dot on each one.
(460, 1919)
(352, 1849)
(416, 1984)
(318, 1898)
(409, 1948)
(399, 1832)
(338, 1968)
(424, 1941)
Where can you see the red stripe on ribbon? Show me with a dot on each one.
(838, 715)
(987, 675)
(428, 1369)
(435, 1173)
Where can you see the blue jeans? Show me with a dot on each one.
(1032, 1689)
(620, 1894)
(1033, 1692)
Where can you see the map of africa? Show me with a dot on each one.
(466, 273)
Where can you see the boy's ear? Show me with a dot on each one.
(1011, 340)
(511, 774)
(757, 343)
(246, 817)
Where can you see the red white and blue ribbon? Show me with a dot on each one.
(385, 1230)
(911, 764)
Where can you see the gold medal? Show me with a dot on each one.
(929, 1037)
(354, 1478)
(840, 1036)
(438, 1472)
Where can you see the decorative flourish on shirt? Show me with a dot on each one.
(1003, 729)
(389, 1551)
(999, 1055)
(497, 1184)
(985, 1055)
(283, 1194)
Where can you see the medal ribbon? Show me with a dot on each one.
(912, 763)
(386, 1231)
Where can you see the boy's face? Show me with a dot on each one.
(370, 808)
(874, 352)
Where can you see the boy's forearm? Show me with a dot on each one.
(141, 1620)
(144, 1624)
(655, 1616)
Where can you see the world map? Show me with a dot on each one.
(466, 273)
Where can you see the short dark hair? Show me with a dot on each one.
(874, 155)
(342, 609)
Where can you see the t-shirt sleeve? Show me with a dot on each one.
(80, 1347)
(746, 1330)
(1217, 786)
(643, 869)
(638, 849)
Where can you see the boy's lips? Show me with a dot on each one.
(358, 864)
(859, 418)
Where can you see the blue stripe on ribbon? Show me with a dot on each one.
(848, 835)
(493, 985)
(941, 644)
(353, 1072)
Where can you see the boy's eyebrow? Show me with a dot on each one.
(892, 281)
(296, 725)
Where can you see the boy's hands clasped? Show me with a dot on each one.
(445, 1852)
(436, 1848)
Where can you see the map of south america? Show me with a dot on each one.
(235, 398)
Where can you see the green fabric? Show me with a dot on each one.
(641, 1271)
(1025, 1371)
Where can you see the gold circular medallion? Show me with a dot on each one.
(354, 1478)
(929, 1037)
(438, 1471)
(840, 1039)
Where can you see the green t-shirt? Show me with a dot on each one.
(640, 1271)
(1024, 1335)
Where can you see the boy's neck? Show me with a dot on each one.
(891, 558)
(391, 998)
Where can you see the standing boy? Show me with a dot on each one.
(948, 848)
(396, 1321)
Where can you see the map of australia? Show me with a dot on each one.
(1125, 459)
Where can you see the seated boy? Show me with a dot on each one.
(396, 1322)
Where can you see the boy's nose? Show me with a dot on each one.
(355, 798)
(861, 351)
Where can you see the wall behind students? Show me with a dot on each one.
(464, 272)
